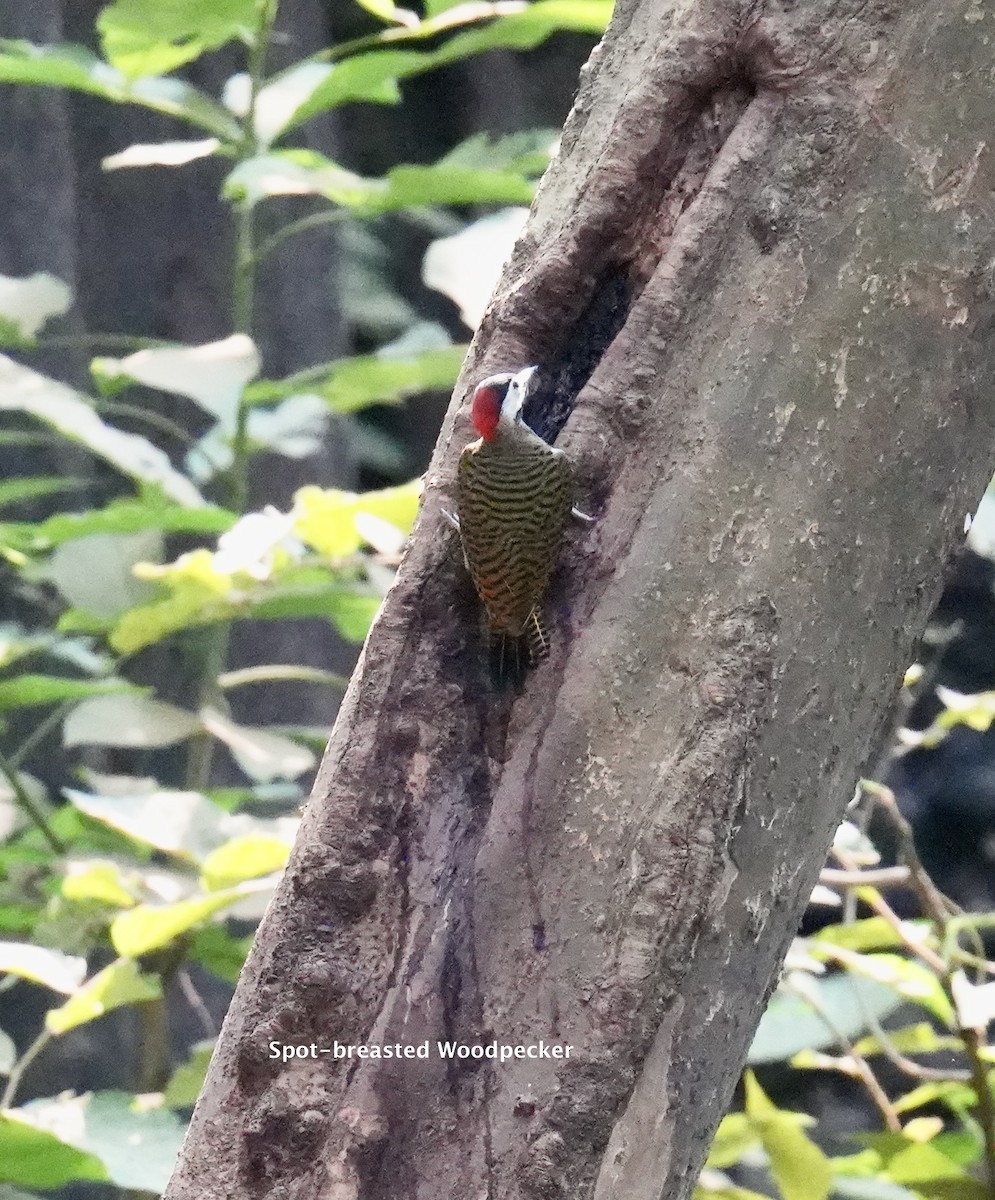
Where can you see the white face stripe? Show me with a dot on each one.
(518, 389)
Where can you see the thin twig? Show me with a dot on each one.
(28, 805)
(279, 672)
(865, 877)
(194, 999)
(22, 1064)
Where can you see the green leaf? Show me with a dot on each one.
(350, 612)
(373, 76)
(355, 383)
(800, 1169)
(215, 948)
(152, 926)
(133, 721)
(119, 517)
(15, 491)
(791, 1025)
(136, 1141)
(913, 1039)
(24, 390)
(116, 985)
(958, 1097)
(434, 7)
(28, 691)
(74, 67)
(298, 593)
(734, 1137)
(186, 1081)
(100, 881)
(149, 37)
(243, 858)
(306, 172)
(871, 933)
(34, 1158)
(921, 1163)
(51, 968)
(910, 979)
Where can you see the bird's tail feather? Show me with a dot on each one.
(511, 655)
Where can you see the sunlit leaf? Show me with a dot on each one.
(27, 691)
(799, 1167)
(975, 1003)
(911, 980)
(163, 154)
(913, 1039)
(242, 858)
(29, 302)
(55, 970)
(213, 375)
(871, 933)
(148, 37)
(296, 428)
(75, 67)
(733, 1138)
(262, 754)
(298, 592)
(8, 1056)
(387, 10)
(134, 721)
(54, 404)
(466, 266)
(116, 985)
(100, 881)
(326, 518)
(182, 823)
(956, 1096)
(149, 927)
(136, 1138)
(96, 573)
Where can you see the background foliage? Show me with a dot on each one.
(143, 816)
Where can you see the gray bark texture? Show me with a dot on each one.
(764, 262)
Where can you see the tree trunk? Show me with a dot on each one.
(764, 259)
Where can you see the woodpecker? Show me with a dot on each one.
(514, 498)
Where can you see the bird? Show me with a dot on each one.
(514, 495)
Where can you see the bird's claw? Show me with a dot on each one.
(582, 516)
(451, 518)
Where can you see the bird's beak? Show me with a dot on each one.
(524, 378)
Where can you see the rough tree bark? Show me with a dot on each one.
(764, 260)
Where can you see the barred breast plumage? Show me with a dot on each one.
(514, 494)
